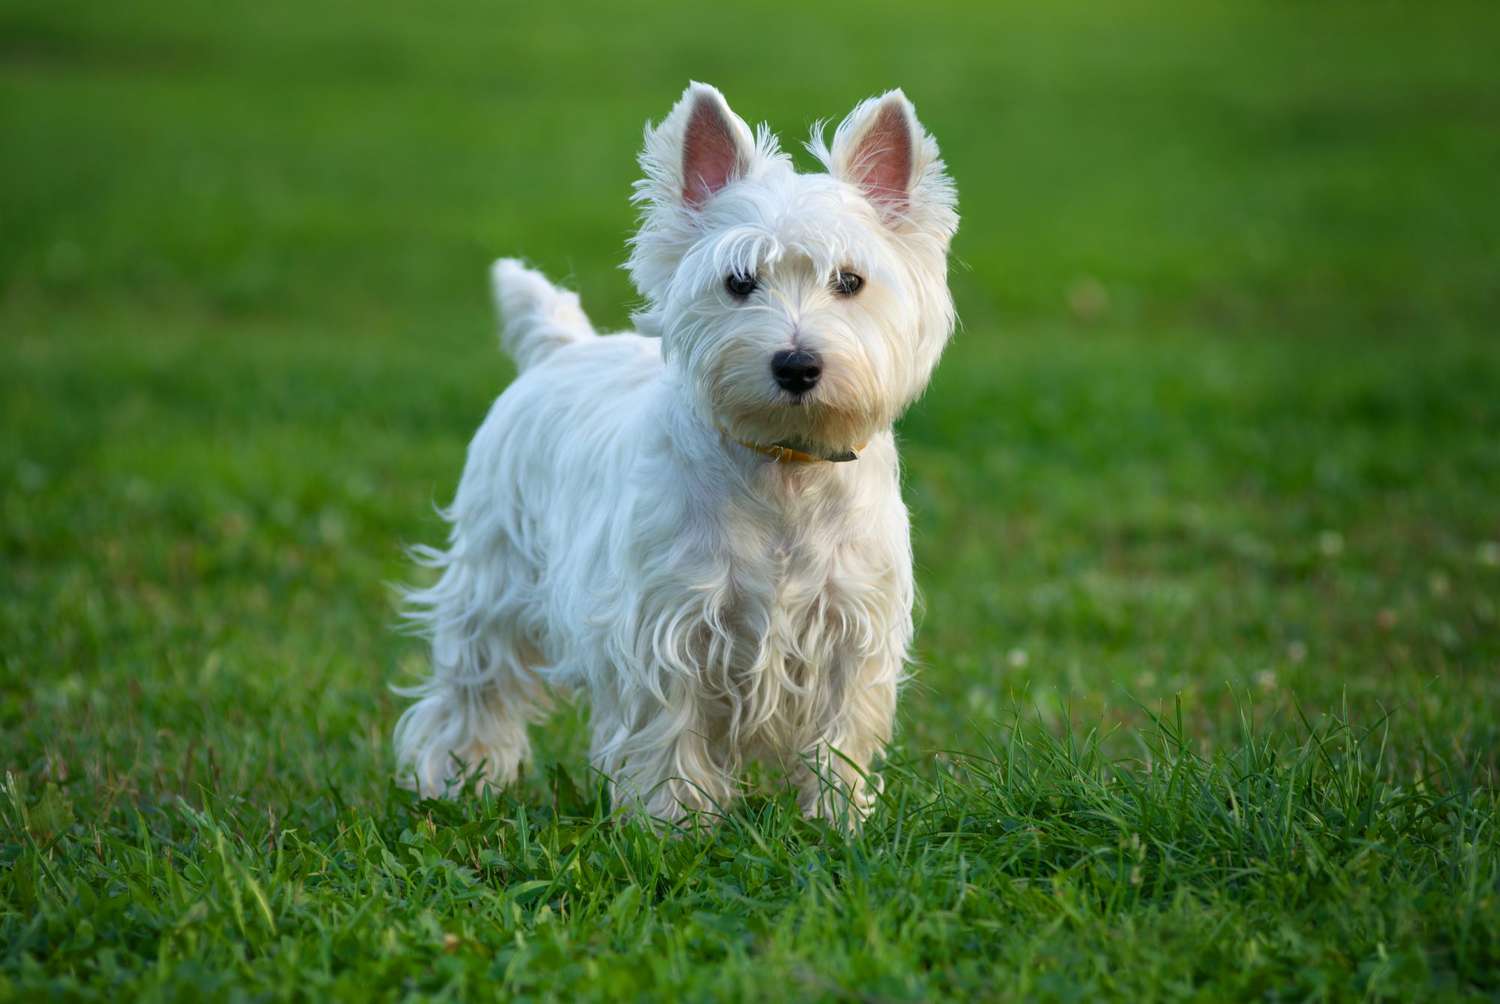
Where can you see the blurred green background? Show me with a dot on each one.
(1224, 411)
(1222, 421)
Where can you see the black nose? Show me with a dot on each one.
(796, 371)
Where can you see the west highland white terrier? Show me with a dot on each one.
(701, 523)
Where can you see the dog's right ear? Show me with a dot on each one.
(699, 148)
(696, 152)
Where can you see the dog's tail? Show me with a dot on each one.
(536, 318)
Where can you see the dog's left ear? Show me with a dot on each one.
(882, 150)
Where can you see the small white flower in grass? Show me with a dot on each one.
(1088, 299)
(981, 701)
(1488, 553)
(32, 477)
(1296, 652)
(331, 526)
(1017, 658)
(1266, 681)
(1331, 543)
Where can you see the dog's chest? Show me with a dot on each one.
(770, 605)
(785, 599)
(806, 575)
(801, 603)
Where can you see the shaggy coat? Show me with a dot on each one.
(620, 529)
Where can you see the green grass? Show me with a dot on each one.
(1204, 497)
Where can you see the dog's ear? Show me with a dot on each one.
(882, 150)
(700, 147)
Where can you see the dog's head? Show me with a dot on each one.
(799, 308)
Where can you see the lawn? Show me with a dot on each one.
(1205, 496)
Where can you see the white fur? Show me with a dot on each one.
(611, 533)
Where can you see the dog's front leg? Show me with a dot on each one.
(836, 781)
(661, 759)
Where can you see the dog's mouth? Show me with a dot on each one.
(829, 418)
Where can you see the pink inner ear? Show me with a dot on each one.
(882, 162)
(710, 155)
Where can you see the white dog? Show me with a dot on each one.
(701, 524)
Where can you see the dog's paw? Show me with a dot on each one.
(443, 750)
(441, 773)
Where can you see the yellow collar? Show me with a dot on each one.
(783, 454)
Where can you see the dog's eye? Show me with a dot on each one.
(740, 285)
(847, 283)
